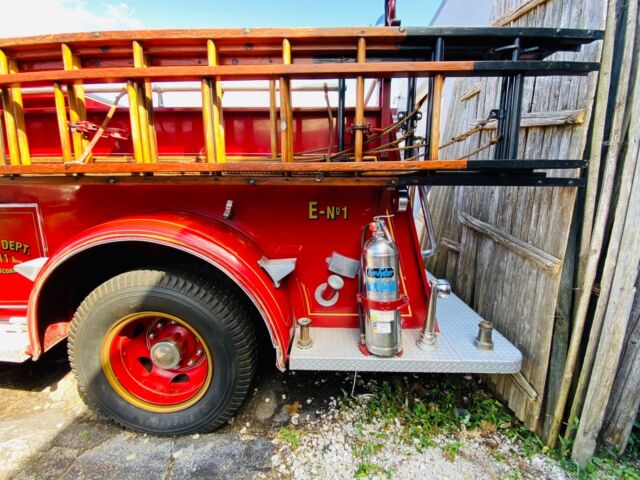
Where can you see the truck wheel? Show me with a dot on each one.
(163, 353)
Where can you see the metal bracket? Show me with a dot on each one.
(278, 268)
(31, 268)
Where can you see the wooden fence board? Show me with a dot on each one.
(501, 285)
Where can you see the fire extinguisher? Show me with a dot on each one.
(380, 297)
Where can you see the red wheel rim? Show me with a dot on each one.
(156, 361)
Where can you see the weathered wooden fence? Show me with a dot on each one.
(512, 252)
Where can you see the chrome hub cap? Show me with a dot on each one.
(165, 354)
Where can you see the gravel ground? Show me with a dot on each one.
(293, 425)
(335, 446)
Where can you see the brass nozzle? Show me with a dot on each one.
(304, 340)
(483, 340)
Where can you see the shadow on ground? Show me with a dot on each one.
(47, 432)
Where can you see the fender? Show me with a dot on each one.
(220, 244)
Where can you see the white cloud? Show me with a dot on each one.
(35, 17)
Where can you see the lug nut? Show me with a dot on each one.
(159, 325)
(199, 352)
(152, 335)
(191, 362)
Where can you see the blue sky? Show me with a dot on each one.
(65, 16)
(275, 13)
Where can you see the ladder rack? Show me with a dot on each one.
(367, 149)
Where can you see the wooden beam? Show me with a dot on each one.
(472, 92)
(524, 8)
(141, 104)
(9, 117)
(434, 142)
(286, 113)
(598, 193)
(235, 167)
(485, 68)
(451, 245)
(76, 96)
(205, 178)
(525, 250)
(389, 35)
(63, 127)
(3, 154)
(207, 119)
(217, 111)
(134, 119)
(148, 101)
(18, 114)
(542, 119)
(359, 117)
(526, 388)
(273, 119)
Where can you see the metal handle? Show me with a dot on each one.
(428, 222)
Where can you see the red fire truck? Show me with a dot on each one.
(165, 240)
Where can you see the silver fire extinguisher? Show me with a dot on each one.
(380, 296)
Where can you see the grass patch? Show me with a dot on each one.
(367, 469)
(451, 450)
(450, 405)
(289, 435)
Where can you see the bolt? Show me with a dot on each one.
(152, 335)
(159, 325)
(199, 352)
(191, 362)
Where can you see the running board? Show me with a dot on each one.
(455, 352)
(14, 340)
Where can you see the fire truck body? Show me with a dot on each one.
(166, 242)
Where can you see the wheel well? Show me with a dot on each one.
(74, 279)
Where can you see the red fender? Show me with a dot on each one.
(209, 239)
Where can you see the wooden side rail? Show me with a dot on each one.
(487, 68)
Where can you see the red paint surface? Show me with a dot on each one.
(269, 221)
(20, 241)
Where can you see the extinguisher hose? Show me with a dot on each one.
(361, 285)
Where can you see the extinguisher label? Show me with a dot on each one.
(380, 272)
(381, 280)
(382, 320)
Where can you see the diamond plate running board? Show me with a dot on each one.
(337, 348)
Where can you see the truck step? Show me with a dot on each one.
(455, 352)
(14, 340)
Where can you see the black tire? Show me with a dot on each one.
(222, 319)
